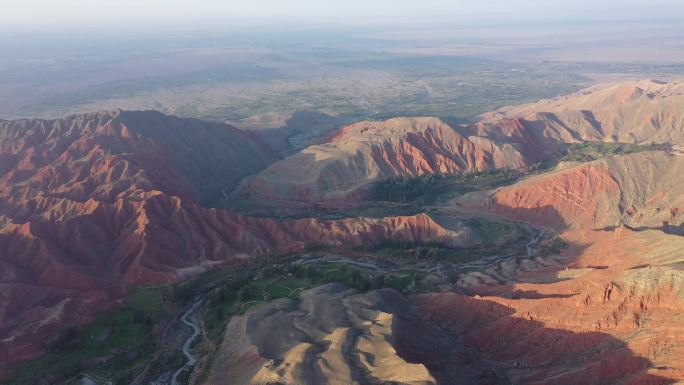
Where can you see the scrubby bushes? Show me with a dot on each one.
(405, 189)
(588, 151)
(552, 246)
(427, 189)
(65, 340)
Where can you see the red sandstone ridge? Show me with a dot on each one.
(585, 196)
(95, 203)
(368, 151)
(609, 313)
(613, 315)
(642, 190)
(84, 262)
(512, 137)
(643, 111)
(112, 155)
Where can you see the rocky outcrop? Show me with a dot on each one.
(95, 203)
(113, 155)
(608, 314)
(86, 262)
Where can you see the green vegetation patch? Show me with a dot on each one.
(236, 292)
(589, 151)
(114, 346)
(275, 290)
(492, 232)
(148, 299)
(552, 246)
(430, 189)
(433, 188)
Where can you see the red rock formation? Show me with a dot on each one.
(619, 322)
(95, 203)
(578, 322)
(512, 137)
(368, 151)
(585, 196)
(637, 190)
(643, 111)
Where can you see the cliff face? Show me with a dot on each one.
(370, 151)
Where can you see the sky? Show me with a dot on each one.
(46, 14)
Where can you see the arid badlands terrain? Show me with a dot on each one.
(94, 206)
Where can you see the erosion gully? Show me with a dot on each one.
(190, 319)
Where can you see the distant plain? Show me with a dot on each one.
(256, 78)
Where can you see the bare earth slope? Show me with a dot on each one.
(331, 336)
(513, 137)
(94, 203)
(610, 313)
(370, 151)
(607, 310)
(637, 190)
(118, 155)
(643, 111)
(567, 321)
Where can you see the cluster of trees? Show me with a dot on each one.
(186, 292)
(241, 287)
(426, 189)
(405, 189)
(238, 288)
(588, 151)
(65, 340)
(346, 275)
(552, 246)
(421, 249)
(142, 318)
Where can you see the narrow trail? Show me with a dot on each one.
(191, 358)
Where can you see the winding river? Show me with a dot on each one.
(191, 359)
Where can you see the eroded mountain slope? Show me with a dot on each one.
(637, 190)
(573, 322)
(510, 138)
(643, 111)
(369, 151)
(95, 203)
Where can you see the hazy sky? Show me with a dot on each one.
(78, 13)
